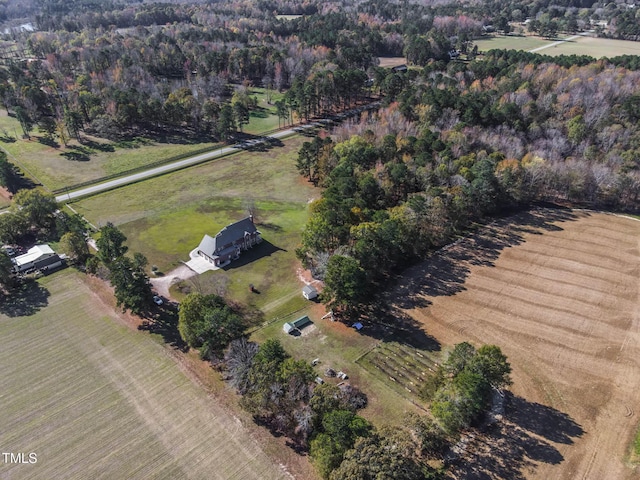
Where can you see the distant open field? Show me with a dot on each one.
(595, 47)
(388, 62)
(592, 46)
(510, 43)
(166, 217)
(94, 399)
(558, 291)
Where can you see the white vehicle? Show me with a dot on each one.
(157, 300)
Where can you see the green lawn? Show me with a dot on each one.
(95, 399)
(263, 119)
(341, 348)
(60, 167)
(166, 217)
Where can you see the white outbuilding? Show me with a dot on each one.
(309, 292)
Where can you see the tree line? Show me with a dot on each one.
(463, 141)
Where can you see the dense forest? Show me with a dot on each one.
(462, 141)
(123, 67)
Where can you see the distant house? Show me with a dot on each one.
(40, 257)
(309, 292)
(229, 242)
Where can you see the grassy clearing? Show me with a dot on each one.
(59, 167)
(165, 218)
(635, 449)
(341, 348)
(263, 119)
(595, 47)
(510, 43)
(592, 46)
(203, 199)
(94, 399)
(402, 367)
(388, 62)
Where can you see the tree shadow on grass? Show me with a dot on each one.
(510, 448)
(163, 321)
(75, 156)
(384, 322)
(102, 147)
(50, 142)
(24, 300)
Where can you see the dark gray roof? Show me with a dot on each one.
(207, 245)
(233, 232)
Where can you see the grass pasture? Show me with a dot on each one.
(500, 42)
(94, 399)
(595, 47)
(584, 45)
(343, 349)
(166, 217)
(264, 118)
(557, 291)
(388, 62)
(59, 167)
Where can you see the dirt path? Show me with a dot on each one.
(559, 292)
(162, 284)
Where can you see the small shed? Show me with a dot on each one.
(298, 324)
(309, 292)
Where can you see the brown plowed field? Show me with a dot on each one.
(559, 292)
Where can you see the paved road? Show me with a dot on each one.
(187, 162)
(555, 44)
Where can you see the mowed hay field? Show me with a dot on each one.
(96, 400)
(559, 292)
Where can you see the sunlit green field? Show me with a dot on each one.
(59, 167)
(510, 43)
(95, 399)
(594, 47)
(166, 217)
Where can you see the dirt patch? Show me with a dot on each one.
(559, 292)
(4, 193)
(163, 283)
